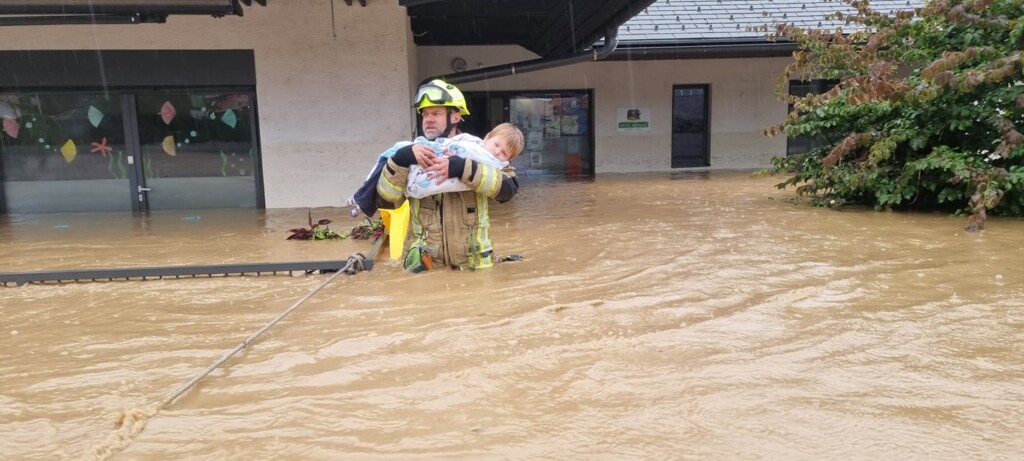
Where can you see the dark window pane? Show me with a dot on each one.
(556, 130)
(63, 152)
(803, 88)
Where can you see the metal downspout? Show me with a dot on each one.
(504, 70)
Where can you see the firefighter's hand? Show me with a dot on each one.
(425, 155)
(438, 172)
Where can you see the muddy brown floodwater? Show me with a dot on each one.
(694, 316)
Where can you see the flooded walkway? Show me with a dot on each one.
(654, 317)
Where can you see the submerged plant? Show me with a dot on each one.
(318, 231)
(369, 231)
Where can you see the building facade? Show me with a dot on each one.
(288, 105)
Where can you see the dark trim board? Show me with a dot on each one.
(45, 69)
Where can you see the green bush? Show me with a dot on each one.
(926, 113)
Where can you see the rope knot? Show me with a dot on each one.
(355, 264)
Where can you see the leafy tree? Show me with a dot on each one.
(926, 114)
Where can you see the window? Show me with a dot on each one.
(802, 144)
(556, 125)
(178, 133)
(63, 152)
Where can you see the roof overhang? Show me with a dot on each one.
(549, 28)
(46, 12)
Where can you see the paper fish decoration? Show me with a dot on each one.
(229, 118)
(95, 116)
(69, 151)
(167, 112)
(169, 147)
(11, 127)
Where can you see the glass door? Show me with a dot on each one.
(196, 150)
(690, 126)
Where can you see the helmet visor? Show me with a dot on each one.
(432, 93)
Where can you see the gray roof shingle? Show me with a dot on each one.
(675, 21)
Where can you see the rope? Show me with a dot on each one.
(131, 422)
(355, 264)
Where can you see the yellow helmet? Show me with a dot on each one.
(437, 92)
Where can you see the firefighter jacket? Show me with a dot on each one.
(453, 227)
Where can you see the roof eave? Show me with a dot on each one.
(701, 49)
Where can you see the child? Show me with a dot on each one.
(499, 147)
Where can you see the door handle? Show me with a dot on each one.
(144, 189)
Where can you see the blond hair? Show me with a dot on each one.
(515, 138)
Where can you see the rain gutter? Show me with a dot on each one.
(118, 7)
(73, 12)
(703, 50)
(80, 19)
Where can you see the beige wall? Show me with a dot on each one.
(743, 102)
(327, 105)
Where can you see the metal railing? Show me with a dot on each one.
(159, 273)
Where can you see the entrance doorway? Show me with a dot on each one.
(690, 126)
(556, 125)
